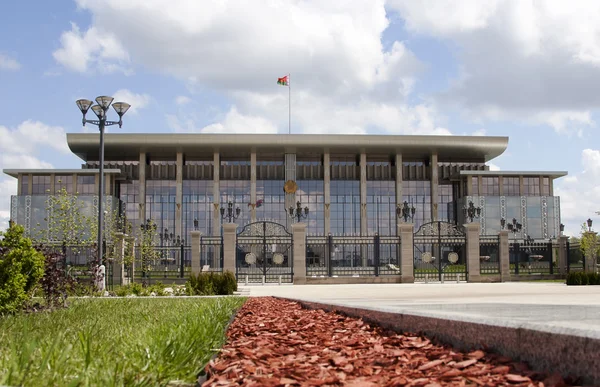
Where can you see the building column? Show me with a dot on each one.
(229, 241)
(253, 199)
(363, 205)
(179, 196)
(118, 271)
(590, 255)
(327, 191)
(504, 255)
(142, 185)
(562, 254)
(299, 236)
(290, 174)
(407, 265)
(19, 184)
(74, 184)
(433, 164)
(52, 185)
(107, 185)
(399, 178)
(216, 194)
(195, 243)
(473, 263)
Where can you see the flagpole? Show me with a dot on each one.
(289, 105)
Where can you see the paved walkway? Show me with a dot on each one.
(544, 306)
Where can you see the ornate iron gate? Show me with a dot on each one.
(264, 252)
(440, 252)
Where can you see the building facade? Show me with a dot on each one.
(351, 184)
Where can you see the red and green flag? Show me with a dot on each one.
(285, 81)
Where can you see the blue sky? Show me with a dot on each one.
(524, 69)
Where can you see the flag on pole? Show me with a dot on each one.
(285, 81)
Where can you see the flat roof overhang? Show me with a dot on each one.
(164, 146)
(552, 174)
(15, 172)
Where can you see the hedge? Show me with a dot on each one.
(583, 278)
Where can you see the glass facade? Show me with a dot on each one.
(531, 186)
(418, 194)
(311, 194)
(129, 193)
(490, 186)
(381, 207)
(63, 182)
(446, 203)
(345, 207)
(511, 186)
(86, 185)
(160, 203)
(25, 184)
(238, 193)
(270, 201)
(197, 204)
(40, 185)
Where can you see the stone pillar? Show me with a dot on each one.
(107, 184)
(229, 241)
(195, 243)
(469, 186)
(253, 186)
(290, 174)
(52, 185)
(299, 235)
(590, 255)
(118, 271)
(179, 196)
(216, 194)
(131, 242)
(473, 263)
(504, 255)
(399, 177)
(142, 185)
(433, 164)
(327, 191)
(74, 184)
(407, 265)
(20, 184)
(363, 204)
(562, 254)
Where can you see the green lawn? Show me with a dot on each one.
(109, 342)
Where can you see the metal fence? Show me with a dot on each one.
(532, 258)
(489, 254)
(163, 262)
(575, 257)
(211, 253)
(355, 256)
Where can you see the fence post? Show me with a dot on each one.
(299, 251)
(563, 245)
(131, 242)
(589, 265)
(229, 242)
(330, 252)
(181, 261)
(407, 265)
(504, 253)
(473, 263)
(196, 264)
(118, 264)
(551, 252)
(376, 246)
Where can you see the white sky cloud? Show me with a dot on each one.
(95, 49)
(8, 63)
(137, 101)
(518, 59)
(182, 100)
(579, 192)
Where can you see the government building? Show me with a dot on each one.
(350, 184)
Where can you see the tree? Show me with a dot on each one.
(589, 242)
(21, 267)
(147, 237)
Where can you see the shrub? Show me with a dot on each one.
(206, 284)
(583, 278)
(21, 267)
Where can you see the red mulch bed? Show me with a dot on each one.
(275, 342)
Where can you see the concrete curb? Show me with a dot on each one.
(567, 354)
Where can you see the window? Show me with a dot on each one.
(511, 186)
(489, 186)
(24, 184)
(546, 186)
(63, 182)
(41, 185)
(475, 185)
(381, 207)
(445, 203)
(198, 204)
(531, 186)
(418, 195)
(160, 203)
(310, 194)
(86, 185)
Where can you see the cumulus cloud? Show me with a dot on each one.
(332, 50)
(95, 49)
(137, 101)
(519, 59)
(8, 63)
(182, 100)
(233, 122)
(579, 193)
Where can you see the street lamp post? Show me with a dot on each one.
(589, 224)
(103, 103)
(298, 212)
(230, 214)
(405, 211)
